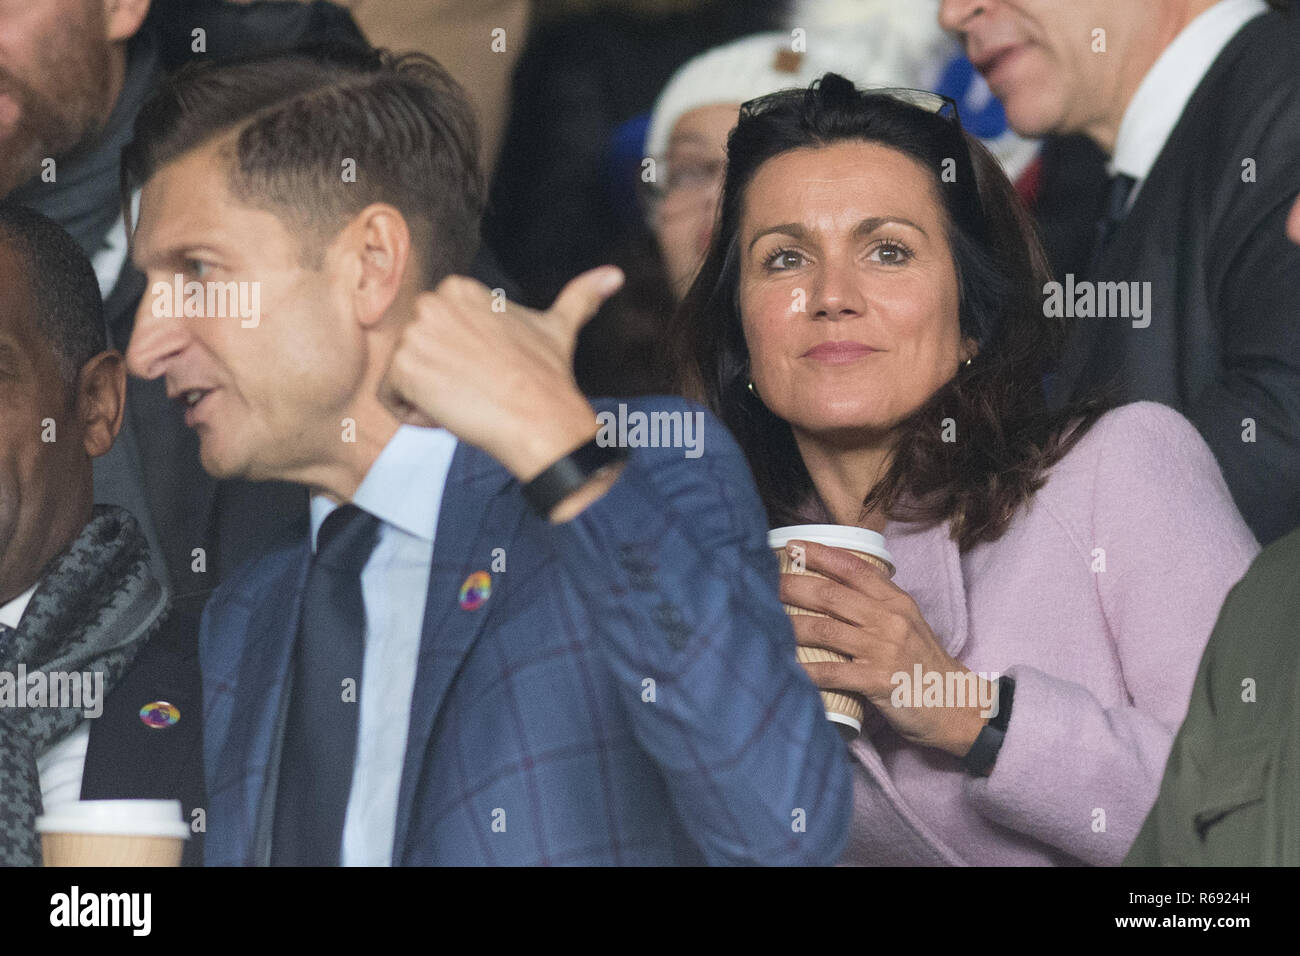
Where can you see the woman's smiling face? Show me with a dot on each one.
(848, 289)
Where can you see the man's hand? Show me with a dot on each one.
(501, 380)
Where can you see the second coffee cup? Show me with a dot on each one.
(114, 833)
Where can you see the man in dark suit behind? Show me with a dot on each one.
(1226, 798)
(77, 595)
(1197, 104)
(519, 634)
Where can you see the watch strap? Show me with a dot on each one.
(1006, 691)
(569, 474)
(983, 754)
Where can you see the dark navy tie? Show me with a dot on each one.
(320, 738)
(1121, 187)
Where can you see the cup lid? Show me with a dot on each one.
(844, 719)
(157, 818)
(833, 536)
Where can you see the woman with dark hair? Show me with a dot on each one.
(869, 322)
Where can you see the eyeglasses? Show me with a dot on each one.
(937, 103)
(681, 182)
(678, 185)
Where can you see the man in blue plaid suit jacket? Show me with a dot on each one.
(587, 667)
(535, 736)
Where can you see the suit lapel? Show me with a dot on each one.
(258, 706)
(1095, 347)
(475, 518)
(1088, 335)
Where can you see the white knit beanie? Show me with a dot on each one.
(766, 62)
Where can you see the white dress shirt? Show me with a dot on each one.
(403, 488)
(111, 257)
(61, 766)
(1160, 99)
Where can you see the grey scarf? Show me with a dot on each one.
(96, 605)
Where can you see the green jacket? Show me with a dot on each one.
(1231, 790)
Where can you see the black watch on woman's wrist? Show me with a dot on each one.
(569, 474)
(983, 753)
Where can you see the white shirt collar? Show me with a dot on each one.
(12, 612)
(1159, 101)
(110, 258)
(404, 486)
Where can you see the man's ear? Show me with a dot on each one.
(379, 240)
(101, 400)
(122, 18)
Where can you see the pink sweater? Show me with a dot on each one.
(1103, 660)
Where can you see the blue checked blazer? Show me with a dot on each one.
(628, 694)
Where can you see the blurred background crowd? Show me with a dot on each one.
(573, 95)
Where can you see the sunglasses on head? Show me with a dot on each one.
(937, 103)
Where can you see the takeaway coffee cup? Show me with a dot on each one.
(846, 710)
(114, 833)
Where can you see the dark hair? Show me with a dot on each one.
(297, 118)
(1007, 436)
(61, 284)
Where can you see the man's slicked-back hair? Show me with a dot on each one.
(316, 137)
(61, 285)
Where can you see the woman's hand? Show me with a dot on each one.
(877, 624)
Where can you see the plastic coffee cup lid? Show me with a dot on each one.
(844, 719)
(833, 536)
(154, 818)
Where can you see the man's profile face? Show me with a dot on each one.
(269, 401)
(54, 82)
(1044, 59)
(40, 445)
(1293, 223)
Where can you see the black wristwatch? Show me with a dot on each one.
(983, 753)
(569, 474)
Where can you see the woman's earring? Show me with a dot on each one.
(967, 362)
(752, 389)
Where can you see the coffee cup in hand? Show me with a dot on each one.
(845, 709)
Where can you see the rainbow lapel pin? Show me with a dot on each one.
(475, 591)
(160, 714)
